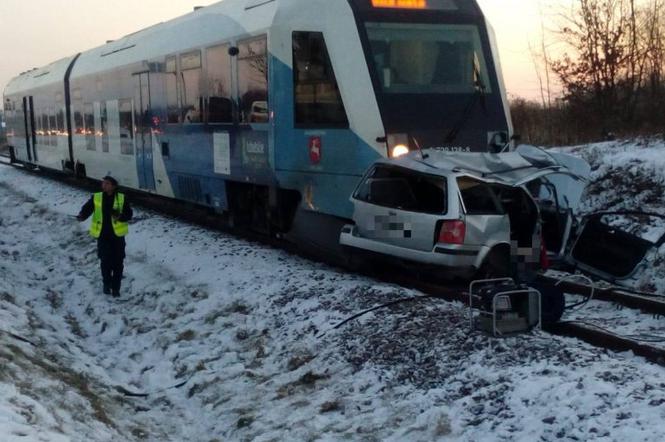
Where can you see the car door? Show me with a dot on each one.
(557, 187)
(614, 245)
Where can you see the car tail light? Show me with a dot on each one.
(452, 232)
(544, 259)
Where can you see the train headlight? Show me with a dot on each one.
(399, 150)
(398, 145)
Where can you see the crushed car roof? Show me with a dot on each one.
(511, 168)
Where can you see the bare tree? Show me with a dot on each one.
(615, 48)
(612, 73)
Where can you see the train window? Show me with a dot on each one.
(317, 98)
(442, 58)
(43, 127)
(89, 126)
(126, 127)
(79, 127)
(104, 128)
(101, 126)
(172, 105)
(19, 121)
(405, 190)
(9, 123)
(53, 127)
(60, 121)
(60, 129)
(15, 121)
(190, 74)
(40, 119)
(38, 127)
(77, 113)
(218, 66)
(253, 80)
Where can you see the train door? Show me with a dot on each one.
(253, 110)
(28, 127)
(143, 121)
(30, 134)
(31, 106)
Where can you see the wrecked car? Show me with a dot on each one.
(469, 214)
(477, 215)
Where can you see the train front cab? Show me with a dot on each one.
(382, 74)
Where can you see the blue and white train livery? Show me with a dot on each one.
(269, 110)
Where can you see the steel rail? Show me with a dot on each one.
(654, 305)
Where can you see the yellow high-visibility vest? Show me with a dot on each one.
(119, 228)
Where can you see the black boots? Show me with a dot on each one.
(113, 292)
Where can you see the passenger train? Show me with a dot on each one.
(269, 111)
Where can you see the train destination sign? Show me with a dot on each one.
(445, 5)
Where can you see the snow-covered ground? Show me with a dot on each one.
(233, 341)
(629, 175)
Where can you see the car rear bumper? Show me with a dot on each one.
(444, 256)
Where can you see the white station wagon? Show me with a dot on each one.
(468, 213)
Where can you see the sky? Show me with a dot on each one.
(36, 32)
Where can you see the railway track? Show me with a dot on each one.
(583, 331)
(647, 303)
(596, 336)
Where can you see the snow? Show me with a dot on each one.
(233, 340)
(629, 175)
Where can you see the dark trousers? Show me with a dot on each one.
(111, 252)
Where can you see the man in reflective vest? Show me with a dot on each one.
(110, 212)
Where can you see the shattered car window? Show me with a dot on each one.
(401, 189)
(479, 198)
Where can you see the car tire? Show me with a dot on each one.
(352, 259)
(495, 265)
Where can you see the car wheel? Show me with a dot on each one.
(496, 265)
(353, 260)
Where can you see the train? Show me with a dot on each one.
(267, 111)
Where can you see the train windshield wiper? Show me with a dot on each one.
(478, 96)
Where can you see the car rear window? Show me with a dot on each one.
(404, 189)
(479, 198)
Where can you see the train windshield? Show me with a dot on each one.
(428, 58)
